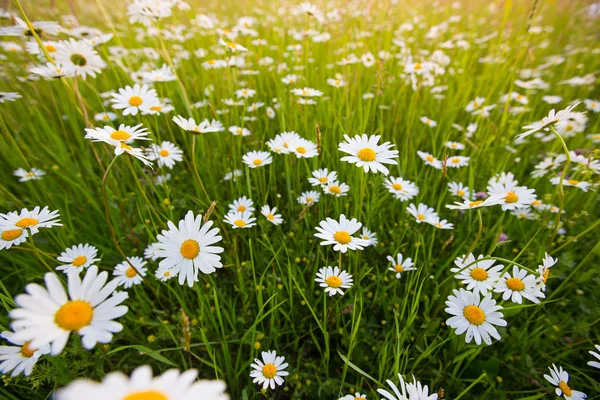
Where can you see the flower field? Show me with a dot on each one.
(355, 199)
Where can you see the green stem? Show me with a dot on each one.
(561, 192)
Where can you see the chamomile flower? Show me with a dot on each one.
(22, 28)
(336, 188)
(552, 119)
(126, 275)
(416, 391)
(167, 154)
(366, 153)
(21, 357)
(52, 71)
(322, 177)
(401, 189)
(454, 145)
(190, 248)
(254, 159)
(150, 251)
(190, 125)
(120, 138)
(78, 57)
(303, 148)
(139, 98)
(270, 371)
(524, 213)
(355, 396)
(239, 131)
(474, 315)
(48, 316)
(544, 271)
(440, 223)
(239, 219)
(429, 122)
(245, 93)
(339, 234)
(400, 264)
(77, 258)
(309, 197)
(460, 190)
(270, 214)
(518, 285)
(11, 237)
(171, 385)
(399, 392)
(105, 116)
(32, 174)
(162, 74)
(560, 378)
(422, 212)
(307, 92)
(510, 196)
(595, 364)
(334, 280)
(243, 204)
(32, 220)
(369, 236)
(467, 204)
(584, 186)
(430, 160)
(457, 161)
(9, 96)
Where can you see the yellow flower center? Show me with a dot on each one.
(399, 268)
(460, 192)
(167, 273)
(323, 179)
(536, 203)
(11, 234)
(455, 160)
(130, 272)
(257, 162)
(397, 186)
(79, 261)
(50, 48)
(269, 371)
(479, 274)
(241, 208)
(334, 282)
(156, 108)
(211, 62)
(572, 182)
(367, 154)
(474, 315)
(515, 284)
(27, 351)
(126, 147)
(164, 153)
(146, 395)
(26, 222)
(429, 158)
(420, 217)
(270, 217)
(511, 197)
(240, 222)
(546, 275)
(74, 315)
(301, 150)
(189, 249)
(475, 203)
(418, 66)
(342, 237)
(335, 189)
(565, 388)
(120, 135)
(135, 101)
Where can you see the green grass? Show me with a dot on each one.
(265, 297)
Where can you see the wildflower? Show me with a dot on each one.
(430, 160)
(21, 357)
(270, 215)
(595, 364)
(457, 162)
(167, 154)
(369, 236)
(572, 182)
(120, 138)
(334, 280)
(422, 213)
(303, 148)
(239, 131)
(126, 275)
(454, 145)
(190, 125)
(340, 234)
(429, 122)
(270, 370)
(14, 224)
(307, 92)
(77, 258)
(518, 285)
(322, 177)
(9, 96)
(162, 74)
(560, 378)
(510, 196)
(33, 174)
(460, 190)
(336, 188)
(139, 98)
(365, 152)
(150, 251)
(552, 118)
(544, 271)
(309, 197)
(255, 159)
(243, 204)
(239, 219)
(401, 265)
(480, 276)
(401, 189)
(41, 28)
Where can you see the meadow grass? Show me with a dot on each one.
(265, 297)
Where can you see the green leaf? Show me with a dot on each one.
(146, 351)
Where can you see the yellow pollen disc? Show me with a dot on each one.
(231, 44)
(11, 234)
(429, 158)
(257, 162)
(455, 160)
(79, 261)
(167, 273)
(309, 199)
(474, 315)
(126, 147)
(335, 189)
(515, 284)
(269, 371)
(241, 208)
(397, 186)
(239, 131)
(565, 388)
(521, 215)
(29, 174)
(240, 222)
(164, 153)
(511, 197)
(569, 128)
(27, 351)
(135, 101)
(211, 62)
(546, 275)
(270, 216)
(453, 145)
(342, 237)
(50, 48)
(420, 217)
(399, 268)
(334, 282)
(189, 249)
(146, 395)
(536, 203)
(26, 222)
(475, 104)
(460, 192)
(323, 179)
(120, 135)
(301, 150)
(130, 272)
(156, 108)
(475, 203)
(479, 274)
(337, 82)
(572, 182)
(418, 66)
(367, 154)
(74, 315)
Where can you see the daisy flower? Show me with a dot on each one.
(243, 204)
(307, 92)
(467, 204)
(171, 385)
(430, 160)
(510, 196)
(105, 116)
(77, 258)
(245, 93)
(126, 275)
(544, 270)
(19, 358)
(369, 236)
(79, 57)
(150, 251)
(422, 212)
(457, 161)
(440, 223)
(417, 391)
(119, 139)
(303, 148)
(337, 189)
(401, 189)
(480, 276)
(595, 364)
(560, 378)
(240, 220)
(365, 152)
(334, 280)
(190, 125)
(139, 98)
(429, 122)
(355, 396)
(309, 197)
(475, 104)
(518, 285)
(33, 174)
(401, 265)
(322, 177)
(399, 392)
(48, 316)
(572, 182)
(21, 28)
(9, 96)
(454, 145)
(339, 233)
(162, 74)
(255, 159)
(270, 215)
(552, 118)
(239, 131)
(270, 370)
(11, 237)
(167, 154)
(475, 316)
(52, 71)
(460, 190)
(13, 223)
(189, 248)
